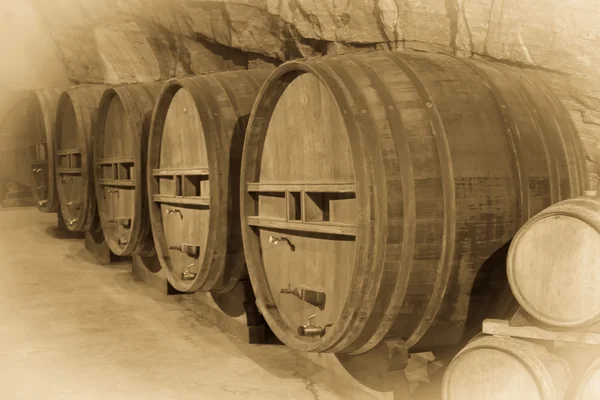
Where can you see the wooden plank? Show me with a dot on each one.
(316, 227)
(116, 160)
(68, 152)
(198, 201)
(117, 182)
(69, 170)
(331, 187)
(179, 171)
(502, 328)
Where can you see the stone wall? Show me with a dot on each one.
(141, 40)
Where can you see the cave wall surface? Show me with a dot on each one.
(125, 41)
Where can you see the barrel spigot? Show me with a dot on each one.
(72, 222)
(42, 203)
(274, 240)
(311, 330)
(187, 275)
(37, 170)
(171, 211)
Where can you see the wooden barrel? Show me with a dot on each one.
(588, 387)
(42, 118)
(13, 142)
(376, 185)
(196, 139)
(73, 156)
(120, 156)
(552, 264)
(505, 368)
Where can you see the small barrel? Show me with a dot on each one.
(588, 387)
(552, 264)
(120, 156)
(73, 156)
(42, 120)
(376, 185)
(492, 367)
(194, 157)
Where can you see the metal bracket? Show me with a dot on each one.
(189, 249)
(310, 296)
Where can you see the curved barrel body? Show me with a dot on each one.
(375, 186)
(120, 150)
(194, 155)
(588, 387)
(73, 156)
(42, 120)
(13, 145)
(552, 264)
(505, 368)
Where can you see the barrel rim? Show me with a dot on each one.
(592, 368)
(263, 108)
(161, 107)
(519, 349)
(511, 264)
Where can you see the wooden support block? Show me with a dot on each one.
(503, 328)
(98, 248)
(147, 270)
(234, 312)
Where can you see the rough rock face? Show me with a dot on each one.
(141, 40)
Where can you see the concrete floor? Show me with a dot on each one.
(71, 329)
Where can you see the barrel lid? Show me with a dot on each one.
(488, 373)
(589, 387)
(553, 270)
(117, 173)
(181, 190)
(72, 182)
(301, 208)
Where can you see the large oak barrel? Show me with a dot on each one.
(505, 368)
(120, 152)
(194, 157)
(14, 165)
(552, 264)
(42, 120)
(588, 387)
(376, 185)
(73, 156)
